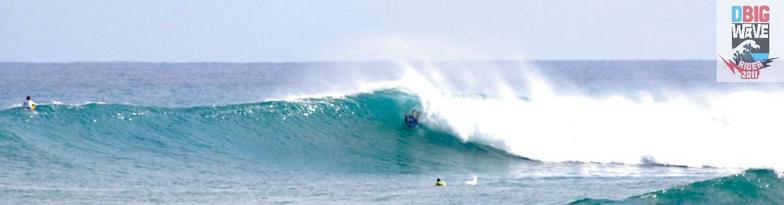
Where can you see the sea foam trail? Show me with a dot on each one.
(737, 128)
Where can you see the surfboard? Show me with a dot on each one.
(412, 124)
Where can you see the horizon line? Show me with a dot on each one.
(340, 61)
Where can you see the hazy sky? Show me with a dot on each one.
(294, 30)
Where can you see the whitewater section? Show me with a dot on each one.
(732, 128)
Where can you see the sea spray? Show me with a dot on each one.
(544, 124)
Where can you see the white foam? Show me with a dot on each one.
(473, 181)
(733, 129)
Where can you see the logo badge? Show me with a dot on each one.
(747, 49)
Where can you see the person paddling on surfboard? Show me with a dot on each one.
(440, 182)
(29, 104)
(412, 120)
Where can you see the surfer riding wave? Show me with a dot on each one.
(412, 120)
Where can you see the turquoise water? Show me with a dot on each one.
(753, 186)
(330, 149)
(357, 134)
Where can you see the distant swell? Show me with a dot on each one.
(754, 186)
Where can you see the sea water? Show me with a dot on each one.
(544, 132)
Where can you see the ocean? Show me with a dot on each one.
(539, 132)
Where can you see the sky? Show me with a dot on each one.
(303, 30)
